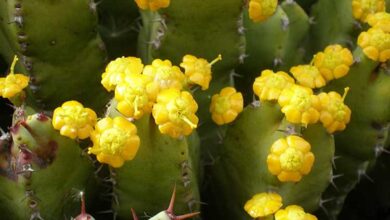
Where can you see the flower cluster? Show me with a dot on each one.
(361, 9)
(159, 88)
(267, 204)
(298, 101)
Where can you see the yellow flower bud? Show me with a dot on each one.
(362, 8)
(290, 158)
(174, 112)
(226, 105)
(118, 69)
(300, 105)
(380, 20)
(13, 84)
(293, 212)
(376, 44)
(152, 5)
(334, 114)
(263, 204)
(270, 85)
(333, 62)
(260, 10)
(164, 76)
(308, 75)
(114, 141)
(73, 120)
(198, 70)
(134, 96)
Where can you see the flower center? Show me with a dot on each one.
(276, 81)
(178, 111)
(291, 159)
(113, 140)
(381, 40)
(222, 105)
(301, 100)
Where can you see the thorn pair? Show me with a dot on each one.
(169, 212)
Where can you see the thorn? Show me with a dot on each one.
(290, 1)
(322, 202)
(134, 214)
(256, 103)
(172, 202)
(277, 62)
(312, 20)
(333, 177)
(362, 172)
(232, 75)
(285, 23)
(241, 58)
(186, 216)
(36, 215)
(334, 158)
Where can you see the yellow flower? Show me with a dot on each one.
(334, 114)
(260, 10)
(73, 120)
(114, 141)
(308, 75)
(380, 20)
(290, 158)
(270, 85)
(118, 69)
(362, 8)
(134, 96)
(300, 105)
(293, 212)
(163, 75)
(263, 204)
(13, 84)
(226, 105)
(152, 5)
(333, 62)
(198, 70)
(174, 112)
(376, 44)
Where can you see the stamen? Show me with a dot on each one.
(186, 120)
(346, 89)
(216, 59)
(13, 64)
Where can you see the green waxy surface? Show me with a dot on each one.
(146, 183)
(65, 60)
(119, 21)
(241, 170)
(332, 23)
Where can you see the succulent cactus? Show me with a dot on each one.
(248, 109)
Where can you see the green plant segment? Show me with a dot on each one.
(244, 109)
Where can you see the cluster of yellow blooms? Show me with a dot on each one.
(375, 42)
(298, 101)
(13, 84)
(267, 204)
(158, 89)
(290, 158)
